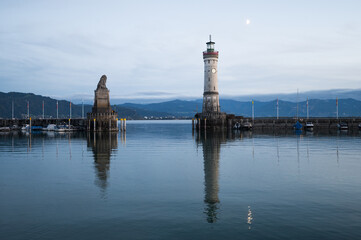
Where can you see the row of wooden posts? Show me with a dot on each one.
(122, 127)
(197, 121)
(123, 124)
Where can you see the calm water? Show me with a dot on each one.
(161, 182)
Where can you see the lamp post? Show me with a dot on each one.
(337, 108)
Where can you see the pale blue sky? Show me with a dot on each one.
(153, 49)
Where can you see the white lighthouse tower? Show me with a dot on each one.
(210, 94)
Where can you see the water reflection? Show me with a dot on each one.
(211, 143)
(249, 217)
(102, 145)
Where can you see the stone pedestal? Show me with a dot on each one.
(211, 120)
(102, 117)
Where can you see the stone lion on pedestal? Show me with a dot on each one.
(102, 82)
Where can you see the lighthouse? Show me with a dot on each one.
(211, 115)
(210, 94)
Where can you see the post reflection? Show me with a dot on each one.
(211, 143)
(102, 145)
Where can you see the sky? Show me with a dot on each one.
(153, 49)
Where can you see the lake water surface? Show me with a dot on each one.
(161, 181)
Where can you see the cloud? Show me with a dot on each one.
(152, 49)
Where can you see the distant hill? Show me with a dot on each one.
(176, 108)
(35, 105)
(36, 110)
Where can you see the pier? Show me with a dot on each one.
(78, 123)
(287, 123)
(320, 123)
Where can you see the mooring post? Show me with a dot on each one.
(94, 125)
(192, 123)
(205, 122)
(110, 124)
(205, 134)
(121, 124)
(124, 138)
(94, 138)
(30, 124)
(69, 124)
(199, 124)
(125, 124)
(229, 124)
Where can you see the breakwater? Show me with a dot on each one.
(319, 123)
(287, 123)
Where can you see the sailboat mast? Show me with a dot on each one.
(12, 109)
(277, 109)
(297, 105)
(82, 108)
(307, 109)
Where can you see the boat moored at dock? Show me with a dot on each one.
(297, 126)
(342, 126)
(5, 129)
(309, 126)
(50, 127)
(247, 126)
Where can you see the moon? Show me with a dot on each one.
(248, 21)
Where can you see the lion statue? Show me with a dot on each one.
(102, 82)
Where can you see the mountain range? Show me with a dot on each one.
(175, 108)
(291, 97)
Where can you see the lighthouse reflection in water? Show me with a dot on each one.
(211, 143)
